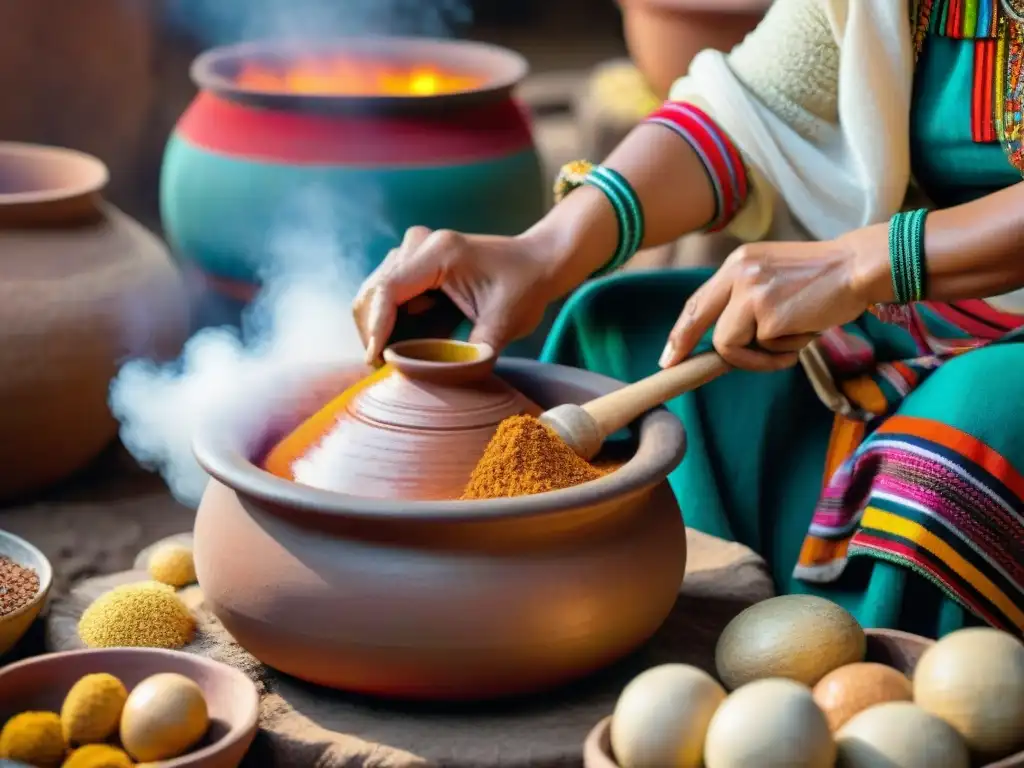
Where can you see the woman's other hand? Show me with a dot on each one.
(502, 284)
(769, 300)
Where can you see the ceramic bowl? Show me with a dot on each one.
(900, 650)
(15, 625)
(42, 682)
(440, 599)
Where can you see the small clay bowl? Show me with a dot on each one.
(42, 682)
(900, 650)
(14, 625)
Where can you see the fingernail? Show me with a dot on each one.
(371, 349)
(667, 355)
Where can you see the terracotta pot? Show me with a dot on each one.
(900, 650)
(249, 160)
(437, 417)
(82, 287)
(442, 599)
(663, 36)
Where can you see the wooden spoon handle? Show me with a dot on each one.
(615, 410)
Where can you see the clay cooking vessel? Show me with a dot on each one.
(83, 287)
(417, 428)
(439, 599)
(41, 683)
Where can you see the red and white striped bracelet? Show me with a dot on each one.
(721, 160)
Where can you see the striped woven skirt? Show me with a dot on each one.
(886, 472)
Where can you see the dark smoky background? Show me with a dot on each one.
(110, 77)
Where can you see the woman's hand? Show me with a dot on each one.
(502, 284)
(769, 300)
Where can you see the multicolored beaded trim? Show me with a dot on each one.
(998, 88)
(721, 160)
(622, 197)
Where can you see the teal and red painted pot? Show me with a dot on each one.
(260, 171)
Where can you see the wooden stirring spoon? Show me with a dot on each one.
(584, 428)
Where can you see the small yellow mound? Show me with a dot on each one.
(92, 709)
(143, 615)
(98, 756)
(172, 564)
(34, 738)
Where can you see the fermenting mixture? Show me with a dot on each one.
(523, 458)
(18, 586)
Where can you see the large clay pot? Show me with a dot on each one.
(440, 599)
(663, 36)
(82, 287)
(258, 181)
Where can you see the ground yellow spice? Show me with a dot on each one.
(33, 738)
(523, 458)
(92, 709)
(98, 756)
(173, 564)
(143, 615)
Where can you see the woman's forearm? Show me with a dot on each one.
(972, 251)
(677, 197)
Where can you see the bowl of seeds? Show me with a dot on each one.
(25, 577)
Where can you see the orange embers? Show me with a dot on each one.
(351, 76)
(282, 457)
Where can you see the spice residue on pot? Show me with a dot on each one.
(524, 458)
(18, 586)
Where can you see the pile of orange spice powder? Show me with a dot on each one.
(525, 457)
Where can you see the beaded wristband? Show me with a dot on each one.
(624, 201)
(721, 160)
(906, 256)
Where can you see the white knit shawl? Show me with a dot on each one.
(853, 174)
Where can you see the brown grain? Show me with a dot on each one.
(18, 586)
(523, 458)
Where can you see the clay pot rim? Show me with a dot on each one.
(12, 546)
(92, 171)
(239, 729)
(597, 751)
(685, 7)
(413, 358)
(502, 68)
(661, 446)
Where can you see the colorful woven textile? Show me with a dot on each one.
(911, 490)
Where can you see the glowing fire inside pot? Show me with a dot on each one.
(349, 76)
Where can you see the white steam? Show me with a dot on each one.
(221, 22)
(301, 319)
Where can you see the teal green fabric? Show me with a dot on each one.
(757, 442)
(947, 163)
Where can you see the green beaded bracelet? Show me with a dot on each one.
(623, 199)
(906, 256)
